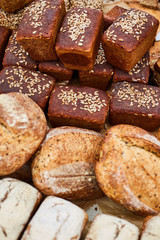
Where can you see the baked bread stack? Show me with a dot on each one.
(66, 41)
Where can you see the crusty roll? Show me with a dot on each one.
(18, 201)
(65, 164)
(22, 129)
(151, 228)
(57, 219)
(128, 170)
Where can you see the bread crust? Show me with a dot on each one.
(37, 32)
(127, 40)
(4, 36)
(78, 106)
(23, 127)
(150, 228)
(77, 45)
(11, 6)
(128, 169)
(64, 167)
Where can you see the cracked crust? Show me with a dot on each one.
(151, 228)
(19, 200)
(22, 129)
(128, 169)
(112, 228)
(65, 165)
(53, 219)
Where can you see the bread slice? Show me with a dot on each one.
(151, 228)
(128, 170)
(111, 228)
(18, 200)
(56, 219)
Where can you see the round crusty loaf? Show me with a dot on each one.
(128, 170)
(22, 129)
(64, 167)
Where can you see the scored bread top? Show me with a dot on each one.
(151, 228)
(128, 168)
(65, 164)
(22, 127)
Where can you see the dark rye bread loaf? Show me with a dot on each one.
(39, 27)
(4, 36)
(15, 55)
(79, 38)
(64, 166)
(18, 201)
(12, 6)
(100, 75)
(127, 40)
(83, 107)
(128, 170)
(34, 84)
(22, 129)
(138, 74)
(135, 104)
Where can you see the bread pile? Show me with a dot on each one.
(77, 102)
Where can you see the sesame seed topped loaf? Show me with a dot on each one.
(149, 3)
(56, 219)
(79, 38)
(4, 35)
(23, 127)
(112, 15)
(34, 84)
(100, 75)
(11, 20)
(78, 106)
(127, 40)
(138, 74)
(57, 70)
(18, 201)
(135, 104)
(15, 54)
(87, 4)
(128, 170)
(64, 166)
(12, 6)
(151, 228)
(112, 228)
(39, 27)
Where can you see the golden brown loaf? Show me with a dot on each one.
(128, 170)
(22, 129)
(64, 166)
(56, 219)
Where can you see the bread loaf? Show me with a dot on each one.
(65, 164)
(57, 219)
(111, 228)
(11, 6)
(23, 127)
(128, 170)
(151, 228)
(18, 201)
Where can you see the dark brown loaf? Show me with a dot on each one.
(4, 36)
(127, 40)
(100, 75)
(57, 70)
(79, 38)
(78, 106)
(135, 104)
(11, 6)
(34, 84)
(128, 170)
(64, 167)
(23, 127)
(39, 27)
(15, 55)
(139, 73)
